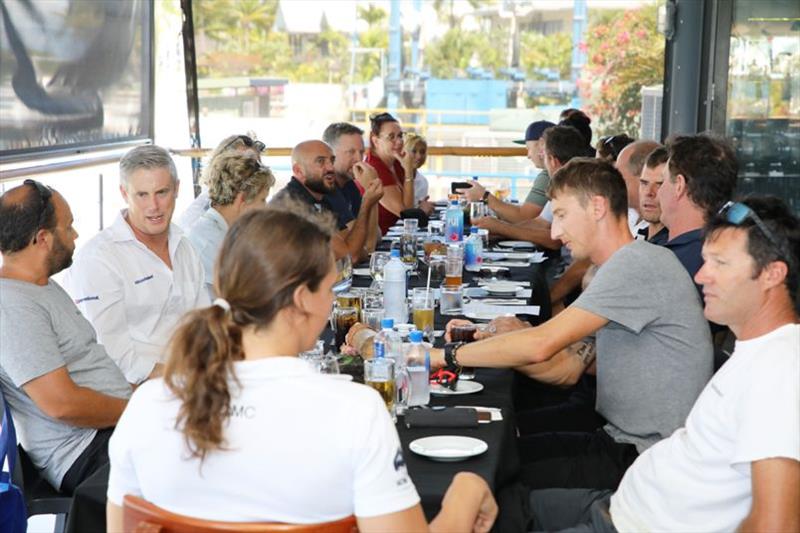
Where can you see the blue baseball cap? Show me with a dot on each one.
(535, 130)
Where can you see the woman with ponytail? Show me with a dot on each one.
(239, 429)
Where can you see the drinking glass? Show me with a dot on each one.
(327, 364)
(343, 319)
(454, 264)
(451, 301)
(436, 264)
(349, 298)
(344, 274)
(436, 230)
(477, 210)
(422, 310)
(372, 317)
(484, 234)
(376, 264)
(410, 225)
(379, 374)
(371, 299)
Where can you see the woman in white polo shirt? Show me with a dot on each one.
(240, 429)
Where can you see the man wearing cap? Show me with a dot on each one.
(537, 197)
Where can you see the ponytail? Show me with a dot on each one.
(200, 364)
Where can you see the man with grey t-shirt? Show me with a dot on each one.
(653, 351)
(64, 391)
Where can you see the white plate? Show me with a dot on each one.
(503, 288)
(462, 387)
(515, 244)
(361, 272)
(484, 314)
(448, 448)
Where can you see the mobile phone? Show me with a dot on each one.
(457, 185)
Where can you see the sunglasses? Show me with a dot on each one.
(248, 142)
(44, 198)
(736, 213)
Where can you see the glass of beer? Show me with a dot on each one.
(349, 298)
(343, 319)
(422, 309)
(379, 374)
(453, 267)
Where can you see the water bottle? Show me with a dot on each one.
(454, 226)
(387, 342)
(418, 364)
(394, 289)
(473, 250)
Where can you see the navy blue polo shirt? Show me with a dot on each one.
(334, 202)
(660, 238)
(688, 248)
(352, 195)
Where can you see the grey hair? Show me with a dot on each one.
(148, 156)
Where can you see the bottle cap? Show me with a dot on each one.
(387, 323)
(415, 336)
(453, 202)
(473, 229)
(394, 253)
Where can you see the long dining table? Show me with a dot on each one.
(498, 465)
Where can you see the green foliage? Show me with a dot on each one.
(625, 53)
(450, 56)
(539, 51)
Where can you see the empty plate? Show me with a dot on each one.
(515, 244)
(502, 288)
(462, 387)
(448, 447)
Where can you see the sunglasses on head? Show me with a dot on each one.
(44, 198)
(248, 142)
(736, 213)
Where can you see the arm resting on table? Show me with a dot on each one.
(566, 367)
(59, 397)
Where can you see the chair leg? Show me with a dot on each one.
(61, 523)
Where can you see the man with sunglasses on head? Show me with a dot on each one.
(243, 144)
(735, 465)
(64, 392)
(135, 279)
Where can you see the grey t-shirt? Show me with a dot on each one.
(41, 330)
(538, 192)
(655, 355)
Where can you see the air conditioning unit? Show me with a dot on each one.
(650, 126)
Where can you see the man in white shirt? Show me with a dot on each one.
(135, 279)
(736, 463)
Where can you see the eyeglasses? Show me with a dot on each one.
(44, 197)
(392, 137)
(737, 212)
(248, 142)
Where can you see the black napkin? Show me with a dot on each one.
(444, 418)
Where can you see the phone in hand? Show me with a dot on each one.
(458, 185)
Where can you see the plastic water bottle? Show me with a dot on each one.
(454, 223)
(394, 289)
(418, 364)
(473, 250)
(387, 342)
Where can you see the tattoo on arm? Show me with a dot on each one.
(585, 351)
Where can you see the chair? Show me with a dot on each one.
(40, 496)
(141, 516)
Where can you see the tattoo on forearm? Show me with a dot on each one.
(585, 351)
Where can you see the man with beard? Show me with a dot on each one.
(64, 392)
(314, 183)
(135, 279)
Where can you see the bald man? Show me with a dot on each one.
(314, 183)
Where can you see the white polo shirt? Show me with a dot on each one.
(302, 447)
(131, 297)
(206, 235)
(699, 478)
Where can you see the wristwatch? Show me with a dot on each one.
(450, 361)
(485, 195)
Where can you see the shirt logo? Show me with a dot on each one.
(86, 299)
(142, 280)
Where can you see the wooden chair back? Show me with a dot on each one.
(141, 516)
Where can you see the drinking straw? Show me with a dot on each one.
(428, 286)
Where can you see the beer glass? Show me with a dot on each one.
(422, 310)
(379, 374)
(343, 319)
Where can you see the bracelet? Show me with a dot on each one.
(485, 195)
(450, 350)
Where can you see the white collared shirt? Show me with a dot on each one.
(199, 205)
(206, 236)
(131, 297)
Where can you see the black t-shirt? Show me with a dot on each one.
(352, 195)
(334, 202)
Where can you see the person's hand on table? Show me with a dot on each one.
(427, 206)
(504, 324)
(474, 193)
(490, 223)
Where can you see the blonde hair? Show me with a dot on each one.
(231, 173)
(412, 140)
